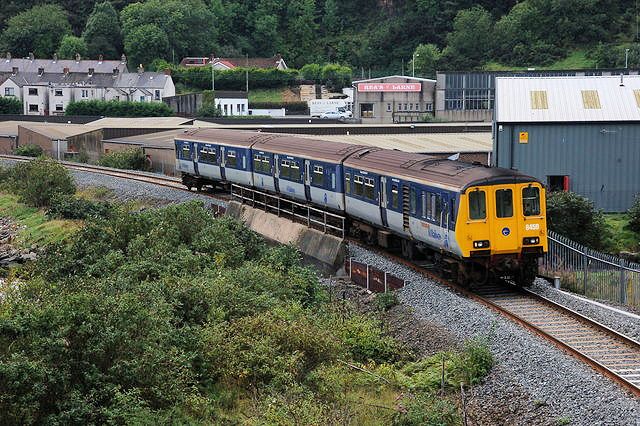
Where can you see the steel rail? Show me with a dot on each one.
(574, 350)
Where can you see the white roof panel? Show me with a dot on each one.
(568, 99)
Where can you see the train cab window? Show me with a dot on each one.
(358, 184)
(347, 183)
(317, 177)
(186, 152)
(232, 161)
(394, 196)
(477, 205)
(531, 201)
(504, 203)
(369, 188)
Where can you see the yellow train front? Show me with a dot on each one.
(501, 229)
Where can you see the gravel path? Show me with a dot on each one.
(624, 324)
(548, 386)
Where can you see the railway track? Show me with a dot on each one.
(607, 351)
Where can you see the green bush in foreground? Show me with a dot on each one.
(29, 150)
(634, 215)
(39, 180)
(119, 109)
(127, 159)
(64, 206)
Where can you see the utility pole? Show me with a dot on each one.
(247, 73)
(213, 76)
(626, 58)
(413, 64)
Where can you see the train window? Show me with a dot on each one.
(285, 169)
(424, 204)
(358, 185)
(452, 217)
(208, 155)
(186, 152)
(317, 178)
(257, 163)
(333, 180)
(347, 183)
(504, 203)
(412, 201)
(266, 164)
(531, 201)
(394, 196)
(369, 188)
(232, 161)
(477, 205)
(295, 172)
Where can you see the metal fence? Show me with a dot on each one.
(591, 273)
(373, 279)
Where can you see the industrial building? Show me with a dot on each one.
(470, 96)
(573, 133)
(393, 99)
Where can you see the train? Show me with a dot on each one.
(473, 221)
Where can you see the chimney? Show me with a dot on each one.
(91, 71)
(100, 58)
(14, 70)
(40, 72)
(77, 57)
(55, 57)
(65, 70)
(123, 59)
(140, 69)
(8, 56)
(31, 56)
(167, 71)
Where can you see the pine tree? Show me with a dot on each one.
(102, 32)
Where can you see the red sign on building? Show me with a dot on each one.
(389, 87)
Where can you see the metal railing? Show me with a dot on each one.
(591, 273)
(312, 216)
(373, 279)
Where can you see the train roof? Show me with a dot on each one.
(447, 173)
(219, 136)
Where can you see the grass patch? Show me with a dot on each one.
(265, 95)
(39, 230)
(623, 238)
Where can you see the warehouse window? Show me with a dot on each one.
(539, 99)
(590, 99)
(388, 107)
(504, 203)
(317, 178)
(477, 205)
(366, 110)
(531, 201)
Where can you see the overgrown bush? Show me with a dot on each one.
(428, 410)
(576, 218)
(127, 159)
(29, 150)
(634, 215)
(9, 105)
(119, 109)
(65, 206)
(385, 301)
(38, 181)
(209, 110)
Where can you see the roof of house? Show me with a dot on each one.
(567, 99)
(231, 94)
(145, 80)
(58, 66)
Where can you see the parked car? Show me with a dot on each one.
(336, 115)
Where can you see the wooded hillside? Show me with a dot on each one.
(381, 35)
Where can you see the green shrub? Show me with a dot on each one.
(209, 110)
(472, 364)
(29, 150)
(65, 206)
(575, 217)
(385, 301)
(9, 105)
(428, 410)
(127, 159)
(119, 109)
(37, 181)
(634, 215)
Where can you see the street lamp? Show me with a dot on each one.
(626, 58)
(413, 64)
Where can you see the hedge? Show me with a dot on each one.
(119, 109)
(297, 107)
(10, 105)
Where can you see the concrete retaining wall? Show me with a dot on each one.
(325, 251)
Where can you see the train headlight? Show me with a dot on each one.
(529, 241)
(481, 244)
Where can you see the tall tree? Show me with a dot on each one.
(102, 32)
(146, 43)
(70, 46)
(38, 30)
(471, 41)
(302, 32)
(426, 57)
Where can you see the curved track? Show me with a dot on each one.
(609, 352)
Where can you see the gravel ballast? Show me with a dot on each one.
(554, 387)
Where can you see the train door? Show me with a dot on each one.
(383, 200)
(505, 220)
(196, 157)
(444, 218)
(223, 162)
(307, 180)
(276, 172)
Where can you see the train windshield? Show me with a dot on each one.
(531, 201)
(504, 203)
(477, 205)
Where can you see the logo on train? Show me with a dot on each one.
(506, 231)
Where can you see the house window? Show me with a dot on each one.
(84, 93)
(9, 91)
(142, 99)
(157, 95)
(33, 107)
(58, 92)
(410, 107)
(33, 91)
(428, 106)
(366, 110)
(405, 107)
(226, 109)
(59, 107)
(388, 107)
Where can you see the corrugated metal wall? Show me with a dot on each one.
(602, 160)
